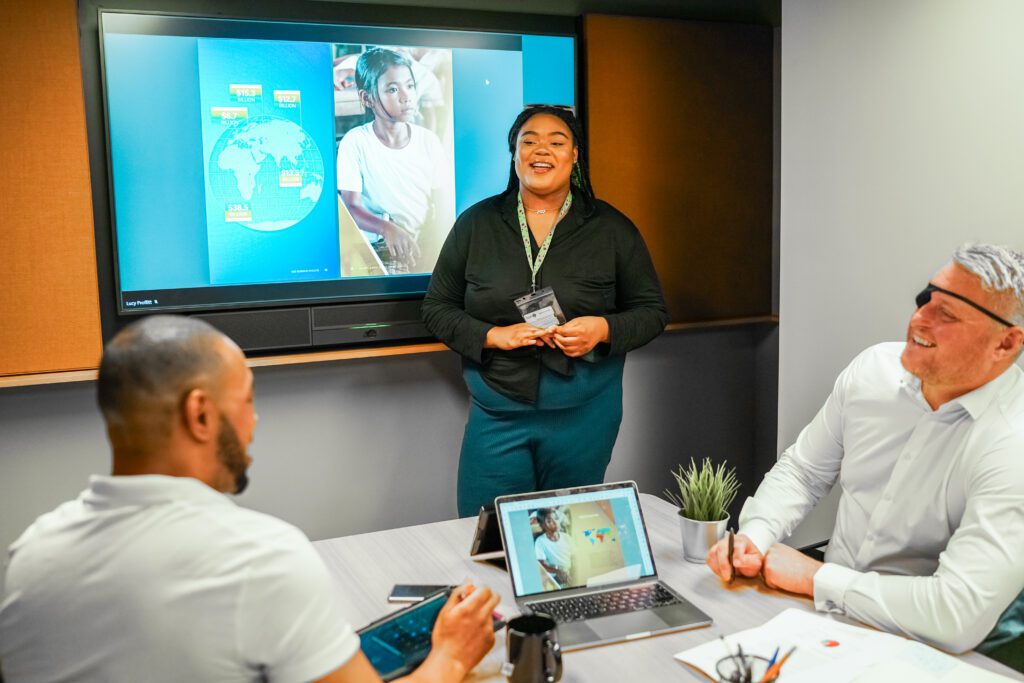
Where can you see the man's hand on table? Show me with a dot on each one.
(781, 567)
(463, 634)
(746, 558)
(790, 570)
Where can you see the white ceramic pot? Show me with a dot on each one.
(698, 537)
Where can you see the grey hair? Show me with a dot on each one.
(1000, 270)
(148, 367)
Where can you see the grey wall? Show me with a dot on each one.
(355, 446)
(901, 138)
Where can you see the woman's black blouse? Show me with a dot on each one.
(597, 264)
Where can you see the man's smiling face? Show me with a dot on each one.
(952, 347)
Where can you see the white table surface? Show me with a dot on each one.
(367, 565)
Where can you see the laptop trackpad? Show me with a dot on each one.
(575, 633)
(622, 625)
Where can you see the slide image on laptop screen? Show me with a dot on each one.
(587, 543)
(394, 123)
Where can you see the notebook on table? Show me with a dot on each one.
(583, 556)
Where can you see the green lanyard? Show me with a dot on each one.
(543, 251)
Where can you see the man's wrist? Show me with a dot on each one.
(759, 535)
(830, 583)
(440, 668)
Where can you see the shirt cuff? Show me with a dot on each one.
(614, 334)
(477, 351)
(760, 534)
(830, 585)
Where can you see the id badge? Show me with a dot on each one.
(540, 308)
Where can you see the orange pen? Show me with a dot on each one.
(773, 671)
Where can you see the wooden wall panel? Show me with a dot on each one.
(49, 308)
(679, 118)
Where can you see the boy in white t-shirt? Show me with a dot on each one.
(393, 175)
(553, 549)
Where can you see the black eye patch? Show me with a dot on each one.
(925, 295)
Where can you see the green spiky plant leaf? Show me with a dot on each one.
(705, 493)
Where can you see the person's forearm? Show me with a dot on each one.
(632, 329)
(367, 220)
(979, 572)
(549, 567)
(437, 668)
(935, 610)
(783, 499)
(457, 329)
(805, 472)
(640, 314)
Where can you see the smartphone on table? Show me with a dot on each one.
(413, 592)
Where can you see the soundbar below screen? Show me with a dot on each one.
(249, 168)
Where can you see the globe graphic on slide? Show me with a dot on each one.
(271, 166)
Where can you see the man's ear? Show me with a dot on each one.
(198, 415)
(1011, 343)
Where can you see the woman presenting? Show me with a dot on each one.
(546, 395)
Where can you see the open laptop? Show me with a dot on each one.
(583, 556)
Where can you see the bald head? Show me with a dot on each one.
(150, 366)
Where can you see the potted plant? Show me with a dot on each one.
(704, 496)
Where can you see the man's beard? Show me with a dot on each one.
(231, 454)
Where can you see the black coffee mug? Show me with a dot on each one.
(534, 655)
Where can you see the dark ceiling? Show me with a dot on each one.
(739, 11)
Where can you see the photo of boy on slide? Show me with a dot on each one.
(394, 176)
(553, 548)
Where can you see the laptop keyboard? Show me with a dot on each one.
(606, 604)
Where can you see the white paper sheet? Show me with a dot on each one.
(830, 650)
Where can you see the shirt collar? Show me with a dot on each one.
(973, 402)
(148, 489)
(977, 401)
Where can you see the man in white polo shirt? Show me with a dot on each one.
(925, 437)
(153, 574)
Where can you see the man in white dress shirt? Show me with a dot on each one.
(926, 439)
(154, 574)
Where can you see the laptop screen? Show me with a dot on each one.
(588, 537)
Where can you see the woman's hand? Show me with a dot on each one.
(401, 243)
(580, 335)
(518, 335)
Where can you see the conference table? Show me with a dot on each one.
(366, 566)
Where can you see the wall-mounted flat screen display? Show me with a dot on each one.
(257, 163)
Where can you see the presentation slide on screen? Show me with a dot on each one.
(239, 161)
(265, 170)
(555, 545)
